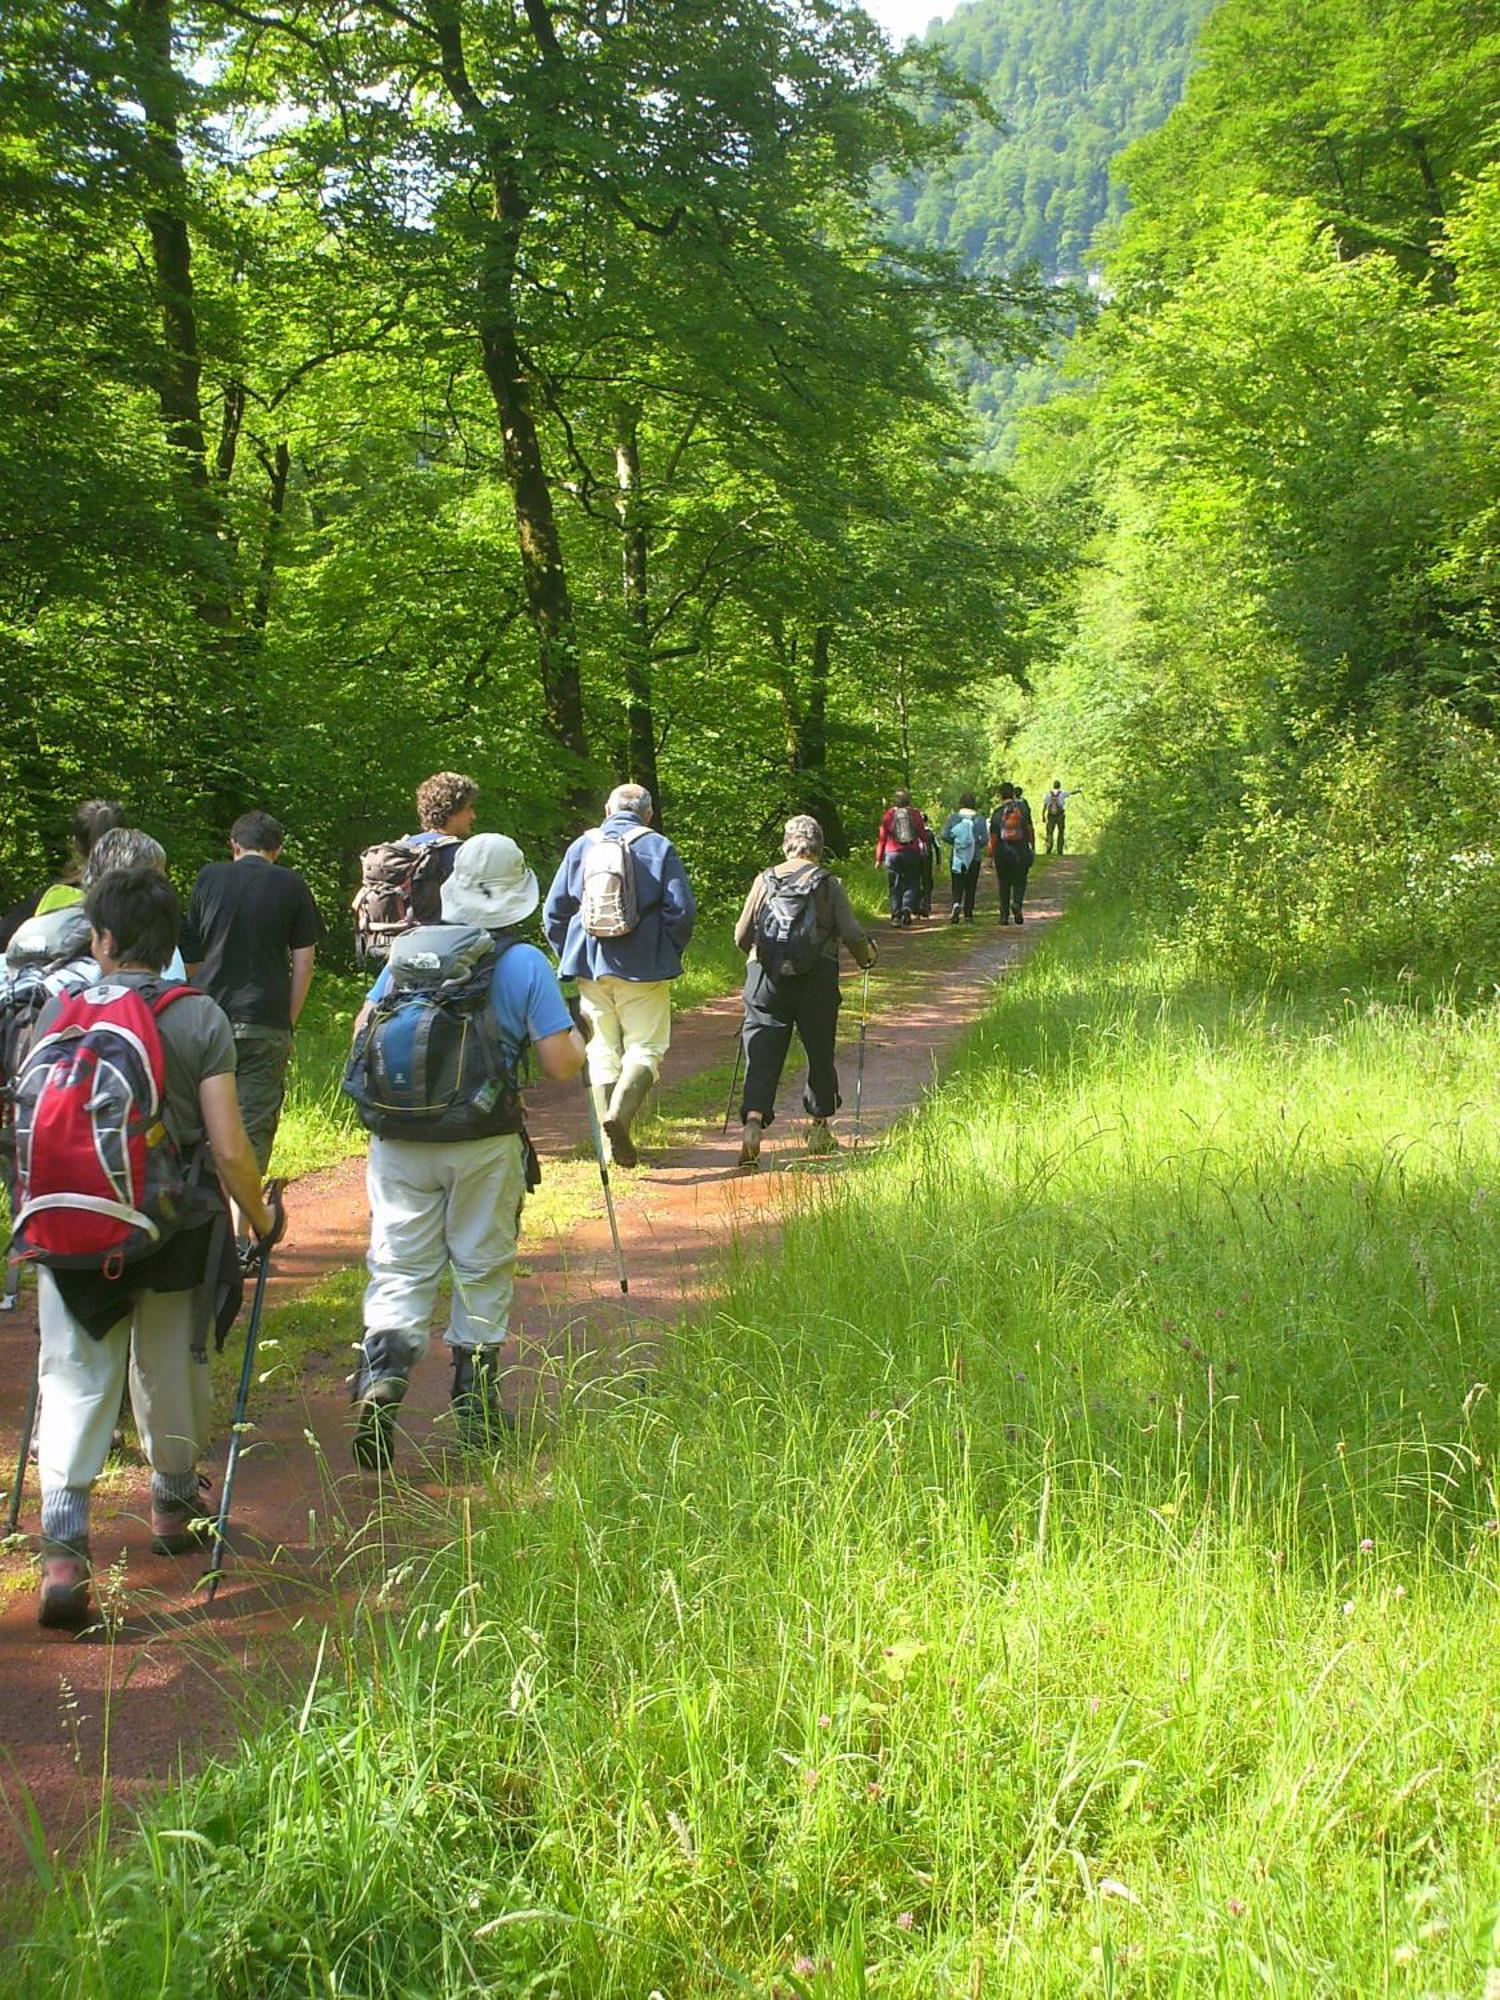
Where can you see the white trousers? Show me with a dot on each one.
(632, 1024)
(432, 1206)
(171, 1390)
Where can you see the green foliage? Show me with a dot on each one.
(1093, 1586)
(1277, 663)
(1070, 87)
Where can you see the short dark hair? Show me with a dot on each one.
(140, 910)
(441, 796)
(901, 798)
(967, 799)
(258, 833)
(93, 817)
(1007, 791)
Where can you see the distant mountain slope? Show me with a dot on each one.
(1075, 81)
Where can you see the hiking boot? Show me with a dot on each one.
(63, 1605)
(377, 1387)
(179, 1527)
(906, 920)
(820, 1139)
(629, 1095)
(750, 1144)
(482, 1420)
(958, 910)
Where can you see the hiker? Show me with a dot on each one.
(898, 849)
(1055, 813)
(250, 940)
(794, 920)
(93, 817)
(965, 834)
(401, 881)
(128, 847)
(434, 1071)
(619, 916)
(927, 874)
(81, 1155)
(1013, 844)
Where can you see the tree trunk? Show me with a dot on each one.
(640, 722)
(810, 761)
(278, 468)
(149, 24)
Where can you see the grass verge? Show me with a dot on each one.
(1069, 1567)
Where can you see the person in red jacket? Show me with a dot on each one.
(903, 836)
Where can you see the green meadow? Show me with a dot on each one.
(1067, 1565)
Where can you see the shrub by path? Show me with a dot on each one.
(102, 1717)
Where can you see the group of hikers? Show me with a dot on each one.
(144, 1054)
(907, 849)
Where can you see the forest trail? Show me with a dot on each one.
(97, 1720)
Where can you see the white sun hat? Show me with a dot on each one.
(490, 885)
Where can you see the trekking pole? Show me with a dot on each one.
(28, 1425)
(598, 1137)
(213, 1574)
(609, 1200)
(859, 1073)
(734, 1081)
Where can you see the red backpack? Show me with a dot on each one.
(1013, 823)
(99, 1181)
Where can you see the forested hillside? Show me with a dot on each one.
(1280, 610)
(522, 390)
(1073, 82)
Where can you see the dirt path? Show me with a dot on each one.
(99, 1718)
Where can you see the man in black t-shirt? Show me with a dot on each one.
(250, 939)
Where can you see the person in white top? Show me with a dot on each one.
(1055, 813)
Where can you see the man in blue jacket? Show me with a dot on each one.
(619, 916)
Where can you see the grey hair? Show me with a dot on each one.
(803, 835)
(123, 847)
(633, 799)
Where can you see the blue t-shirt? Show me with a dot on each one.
(524, 995)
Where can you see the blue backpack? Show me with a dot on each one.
(429, 1063)
(965, 839)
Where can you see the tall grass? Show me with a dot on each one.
(1069, 1567)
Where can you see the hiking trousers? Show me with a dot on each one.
(454, 1205)
(261, 1059)
(904, 875)
(1056, 826)
(1011, 871)
(965, 883)
(808, 1003)
(631, 1021)
(171, 1392)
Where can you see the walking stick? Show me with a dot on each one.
(213, 1575)
(859, 1074)
(734, 1081)
(609, 1200)
(599, 1153)
(28, 1425)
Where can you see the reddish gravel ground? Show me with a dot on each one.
(101, 1718)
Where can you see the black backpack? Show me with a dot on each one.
(790, 930)
(400, 887)
(429, 1063)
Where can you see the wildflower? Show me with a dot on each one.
(825, 1722)
(1348, 1607)
(1235, 1907)
(905, 1921)
(872, 1790)
(1399, 1592)
(1367, 1546)
(810, 1779)
(804, 1965)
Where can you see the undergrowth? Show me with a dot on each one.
(1069, 1567)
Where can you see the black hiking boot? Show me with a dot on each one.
(377, 1386)
(482, 1420)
